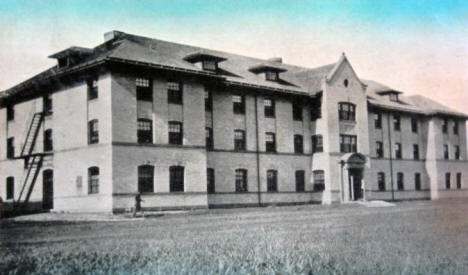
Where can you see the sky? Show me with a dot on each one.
(418, 47)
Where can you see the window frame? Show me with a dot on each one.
(175, 96)
(93, 89)
(144, 89)
(239, 144)
(417, 181)
(400, 181)
(318, 177)
(145, 178)
(379, 149)
(175, 137)
(398, 151)
(396, 122)
(457, 152)
(238, 107)
(459, 180)
(446, 152)
(269, 111)
(241, 182)
(10, 188)
(349, 114)
(270, 145)
(298, 144)
(317, 143)
(93, 180)
(272, 180)
(93, 131)
(176, 178)
(381, 181)
(448, 184)
(416, 151)
(144, 136)
(271, 76)
(48, 144)
(210, 181)
(209, 65)
(348, 148)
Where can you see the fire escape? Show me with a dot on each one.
(32, 160)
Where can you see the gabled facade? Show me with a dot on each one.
(194, 128)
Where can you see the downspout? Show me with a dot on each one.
(391, 155)
(257, 153)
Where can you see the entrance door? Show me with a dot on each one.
(355, 177)
(48, 189)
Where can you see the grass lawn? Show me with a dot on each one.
(421, 237)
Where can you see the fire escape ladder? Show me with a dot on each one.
(33, 166)
(32, 134)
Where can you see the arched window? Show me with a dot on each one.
(347, 111)
(145, 178)
(93, 180)
(272, 180)
(176, 178)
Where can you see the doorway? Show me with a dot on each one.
(47, 189)
(355, 182)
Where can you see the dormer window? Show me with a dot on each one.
(393, 97)
(71, 56)
(271, 76)
(205, 60)
(271, 71)
(209, 65)
(63, 62)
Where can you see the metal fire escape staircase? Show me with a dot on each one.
(32, 161)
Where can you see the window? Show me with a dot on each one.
(459, 178)
(210, 175)
(455, 127)
(209, 138)
(298, 144)
(345, 82)
(270, 142)
(48, 143)
(319, 180)
(378, 121)
(396, 122)
(300, 180)
(272, 76)
(92, 88)
(47, 101)
(209, 65)
(208, 101)
(346, 111)
(144, 89)
(10, 188)
(400, 181)
(176, 178)
(269, 105)
(93, 180)
(297, 111)
(445, 126)
(272, 181)
(446, 151)
(379, 149)
(381, 181)
(174, 92)
(11, 147)
(457, 152)
(239, 140)
(348, 144)
(417, 181)
(10, 113)
(93, 131)
(414, 125)
(316, 107)
(145, 178)
(447, 180)
(238, 104)
(415, 151)
(398, 150)
(241, 180)
(317, 144)
(145, 130)
(175, 133)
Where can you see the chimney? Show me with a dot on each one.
(276, 59)
(112, 35)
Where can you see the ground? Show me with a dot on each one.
(420, 237)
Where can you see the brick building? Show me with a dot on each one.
(193, 128)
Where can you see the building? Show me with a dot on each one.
(194, 128)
